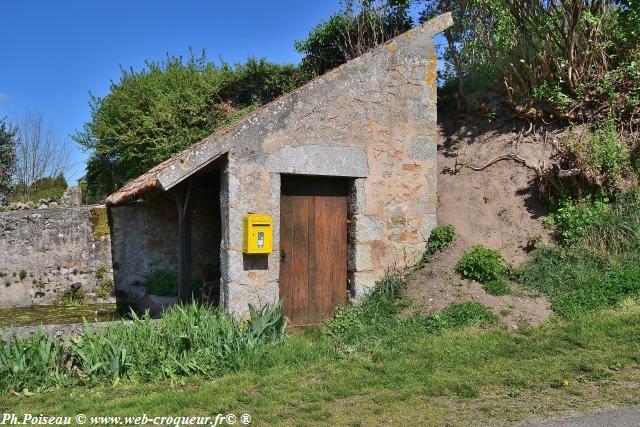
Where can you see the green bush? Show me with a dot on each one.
(43, 188)
(497, 287)
(481, 264)
(602, 155)
(612, 228)
(617, 231)
(442, 237)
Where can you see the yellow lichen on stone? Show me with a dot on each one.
(432, 74)
(99, 222)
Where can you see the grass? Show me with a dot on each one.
(488, 374)
(597, 266)
(498, 287)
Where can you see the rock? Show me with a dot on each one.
(43, 206)
(29, 205)
(54, 205)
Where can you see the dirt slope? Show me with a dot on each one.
(497, 206)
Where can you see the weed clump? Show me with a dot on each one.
(441, 238)
(497, 287)
(481, 264)
(162, 283)
(467, 314)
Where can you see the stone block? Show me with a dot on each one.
(363, 258)
(369, 229)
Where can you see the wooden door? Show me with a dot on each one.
(313, 247)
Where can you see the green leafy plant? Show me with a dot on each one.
(22, 274)
(481, 264)
(601, 155)
(351, 324)
(596, 266)
(102, 271)
(441, 238)
(161, 283)
(573, 220)
(32, 363)
(105, 289)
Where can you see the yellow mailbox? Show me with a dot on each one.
(257, 234)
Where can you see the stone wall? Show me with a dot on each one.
(45, 253)
(145, 239)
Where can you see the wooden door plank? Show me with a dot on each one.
(330, 246)
(286, 226)
(294, 280)
(313, 234)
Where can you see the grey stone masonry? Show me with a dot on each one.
(46, 253)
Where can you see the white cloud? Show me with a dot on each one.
(4, 97)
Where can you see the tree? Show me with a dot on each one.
(358, 27)
(151, 114)
(7, 159)
(39, 154)
(560, 58)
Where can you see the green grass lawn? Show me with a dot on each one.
(457, 376)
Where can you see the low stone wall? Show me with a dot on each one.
(49, 254)
(60, 332)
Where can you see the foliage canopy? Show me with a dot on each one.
(359, 26)
(153, 113)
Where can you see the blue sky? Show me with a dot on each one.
(55, 52)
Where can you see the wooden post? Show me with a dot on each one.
(183, 201)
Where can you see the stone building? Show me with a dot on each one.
(345, 166)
